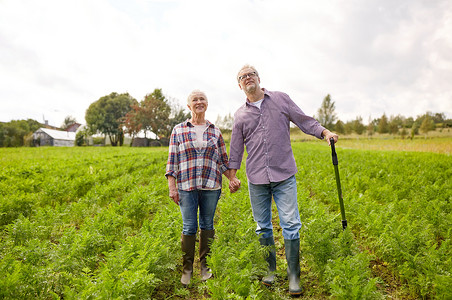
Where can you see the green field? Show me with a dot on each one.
(97, 223)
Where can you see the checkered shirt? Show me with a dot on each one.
(193, 167)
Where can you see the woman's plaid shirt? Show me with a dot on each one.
(193, 167)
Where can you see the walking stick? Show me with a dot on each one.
(338, 183)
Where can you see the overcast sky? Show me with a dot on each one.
(372, 57)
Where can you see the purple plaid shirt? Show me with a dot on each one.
(266, 134)
(193, 167)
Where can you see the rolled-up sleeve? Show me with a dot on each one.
(237, 145)
(172, 165)
(307, 124)
(223, 155)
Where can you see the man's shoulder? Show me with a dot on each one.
(276, 94)
(240, 110)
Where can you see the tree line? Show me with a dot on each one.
(395, 125)
(17, 133)
(115, 115)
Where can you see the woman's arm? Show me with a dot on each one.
(173, 192)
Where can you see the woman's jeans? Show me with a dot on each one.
(206, 200)
(285, 195)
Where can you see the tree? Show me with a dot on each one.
(348, 126)
(340, 127)
(427, 124)
(370, 127)
(439, 118)
(225, 123)
(393, 128)
(106, 115)
(408, 123)
(155, 112)
(16, 132)
(177, 115)
(80, 139)
(383, 126)
(414, 129)
(396, 122)
(358, 125)
(403, 133)
(326, 115)
(132, 121)
(68, 121)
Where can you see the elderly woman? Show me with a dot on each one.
(196, 161)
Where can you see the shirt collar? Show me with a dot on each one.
(189, 124)
(247, 102)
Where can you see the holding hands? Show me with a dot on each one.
(234, 184)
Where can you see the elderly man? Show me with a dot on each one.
(262, 124)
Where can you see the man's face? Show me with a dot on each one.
(248, 80)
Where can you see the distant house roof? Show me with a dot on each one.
(73, 127)
(58, 134)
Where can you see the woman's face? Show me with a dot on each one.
(198, 103)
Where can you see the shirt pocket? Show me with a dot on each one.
(212, 151)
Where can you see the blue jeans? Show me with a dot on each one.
(285, 195)
(206, 200)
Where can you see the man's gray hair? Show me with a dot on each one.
(247, 66)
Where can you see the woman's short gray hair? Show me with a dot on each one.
(196, 92)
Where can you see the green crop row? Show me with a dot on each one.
(85, 223)
(97, 223)
(399, 204)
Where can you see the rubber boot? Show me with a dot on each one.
(188, 248)
(205, 238)
(293, 266)
(270, 257)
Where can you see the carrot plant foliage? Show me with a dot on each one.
(97, 223)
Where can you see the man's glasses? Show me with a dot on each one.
(245, 76)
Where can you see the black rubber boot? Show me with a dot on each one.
(269, 279)
(205, 238)
(293, 266)
(188, 248)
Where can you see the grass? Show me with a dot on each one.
(96, 220)
(439, 141)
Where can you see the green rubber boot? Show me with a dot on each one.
(188, 248)
(293, 266)
(205, 238)
(269, 279)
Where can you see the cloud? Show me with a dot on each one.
(372, 58)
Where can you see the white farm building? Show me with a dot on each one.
(51, 137)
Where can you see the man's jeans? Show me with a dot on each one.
(206, 200)
(285, 195)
